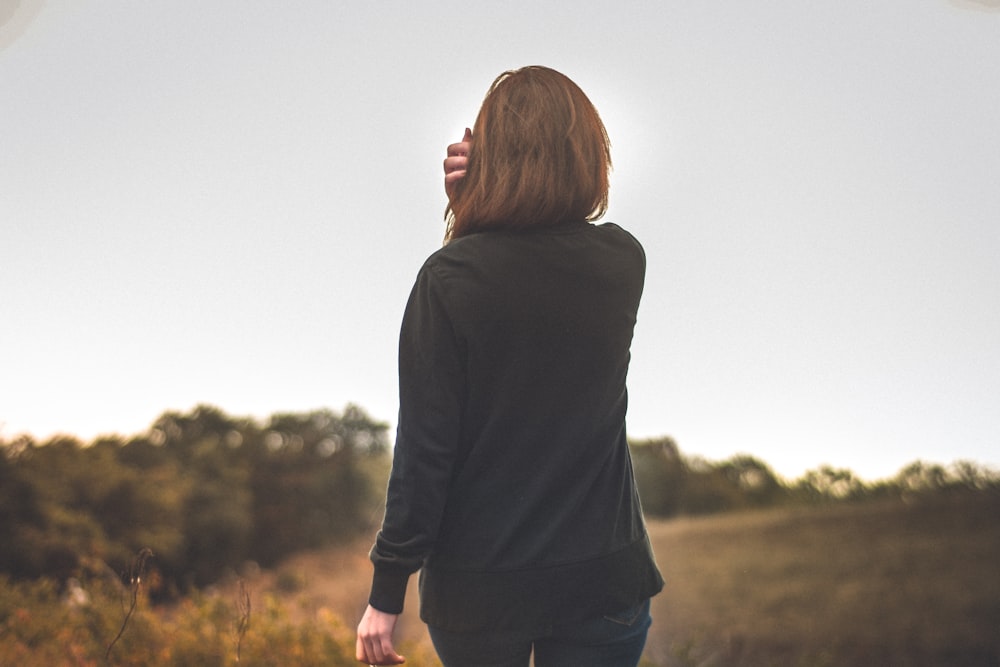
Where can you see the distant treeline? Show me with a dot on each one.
(204, 491)
(671, 484)
(208, 492)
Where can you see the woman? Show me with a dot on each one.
(512, 488)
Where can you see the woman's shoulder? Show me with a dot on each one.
(493, 237)
(499, 246)
(615, 229)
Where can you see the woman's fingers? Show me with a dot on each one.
(374, 644)
(462, 147)
(457, 162)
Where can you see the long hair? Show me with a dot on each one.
(539, 156)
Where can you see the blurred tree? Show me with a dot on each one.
(758, 485)
(188, 436)
(826, 484)
(709, 489)
(21, 515)
(920, 477)
(973, 476)
(659, 474)
(55, 529)
(312, 470)
(218, 518)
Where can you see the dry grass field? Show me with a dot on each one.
(871, 584)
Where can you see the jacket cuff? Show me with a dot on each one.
(388, 590)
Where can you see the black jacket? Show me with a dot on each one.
(511, 483)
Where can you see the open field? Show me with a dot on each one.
(879, 583)
(871, 584)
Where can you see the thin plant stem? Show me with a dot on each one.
(243, 609)
(136, 570)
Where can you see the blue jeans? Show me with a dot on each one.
(614, 640)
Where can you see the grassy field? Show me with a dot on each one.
(872, 584)
(880, 584)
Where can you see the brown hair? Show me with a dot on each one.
(539, 156)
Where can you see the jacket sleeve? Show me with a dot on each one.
(431, 390)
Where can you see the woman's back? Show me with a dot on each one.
(512, 474)
(543, 321)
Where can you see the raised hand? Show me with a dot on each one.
(456, 163)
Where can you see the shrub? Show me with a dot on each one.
(41, 624)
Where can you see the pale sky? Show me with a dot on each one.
(227, 202)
